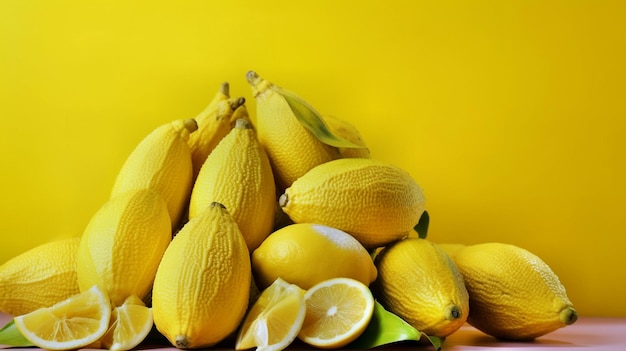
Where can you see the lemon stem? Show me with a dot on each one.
(243, 123)
(235, 103)
(225, 88)
(217, 204)
(454, 313)
(568, 316)
(252, 77)
(190, 124)
(182, 342)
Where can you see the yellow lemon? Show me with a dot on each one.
(122, 245)
(201, 141)
(337, 312)
(513, 293)
(129, 325)
(347, 131)
(275, 319)
(75, 322)
(306, 254)
(238, 175)
(292, 148)
(214, 123)
(202, 286)
(375, 202)
(420, 283)
(39, 277)
(161, 162)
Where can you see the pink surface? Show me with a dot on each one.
(587, 334)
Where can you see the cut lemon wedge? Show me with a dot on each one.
(130, 324)
(72, 323)
(337, 312)
(274, 320)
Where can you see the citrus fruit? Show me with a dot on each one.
(337, 312)
(72, 323)
(129, 325)
(291, 147)
(275, 319)
(214, 123)
(237, 174)
(161, 162)
(375, 202)
(39, 277)
(306, 254)
(513, 293)
(202, 285)
(419, 282)
(122, 245)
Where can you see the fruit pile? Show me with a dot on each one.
(255, 233)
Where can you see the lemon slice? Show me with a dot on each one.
(274, 320)
(337, 312)
(130, 324)
(70, 324)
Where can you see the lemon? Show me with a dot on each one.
(201, 141)
(419, 282)
(202, 285)
(306, 254)
(39, 277)
(337, 312)
(70, 324)
(375, 202)
(513, 293)
(238, 175)
(214, 123)
(275, 319)
(130, 324)
(292, 149)
(122, 245)
(161, 162)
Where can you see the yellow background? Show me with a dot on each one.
(510, 114)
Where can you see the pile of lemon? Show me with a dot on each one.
(257, 233)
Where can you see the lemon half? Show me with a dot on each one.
(337, 312)
(70, 324)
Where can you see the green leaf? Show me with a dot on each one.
(422, 225)
(387, 328)
(313, 121)
(11, 336)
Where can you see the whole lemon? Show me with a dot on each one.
(419, 282)
(237, 174)
(373, 201)
(161, 162)
(202, 285)
(122, 245)
(291, 147)
(39, 277)
(306, 254)
(513, 293)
